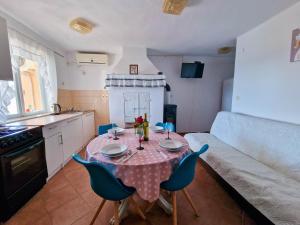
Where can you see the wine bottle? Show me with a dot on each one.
(146, 128)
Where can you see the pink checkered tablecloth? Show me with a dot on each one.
(147, 168)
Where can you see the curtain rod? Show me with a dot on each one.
(57, 53)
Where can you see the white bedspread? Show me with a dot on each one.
(274, 194)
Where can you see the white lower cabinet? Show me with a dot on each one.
(54, 150)
(88, 127)
(127, 103)
(72, 137)
(64, 138)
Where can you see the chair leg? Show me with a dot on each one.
(117, 220)
(98, 211)
(150, 206)
(174, 202)
(188, 197)
(140, 212)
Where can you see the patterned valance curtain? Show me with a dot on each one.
(23, 47)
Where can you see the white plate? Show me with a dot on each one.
(171, 145)
(157, 129)
(115, 156)
(113, 150)
(118, 129)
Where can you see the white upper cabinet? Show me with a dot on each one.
(5, 62)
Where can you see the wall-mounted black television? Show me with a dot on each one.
(192, 70)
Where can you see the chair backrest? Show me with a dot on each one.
(103, 129)
(167, 125)
(184, 174)
(160, 124)
(103, 182)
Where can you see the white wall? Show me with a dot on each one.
(198, 100)
(266, 84)
(227, 90)
(84, 77)
(92, 77)
(80, 77)
(23, 29)
(134, 55)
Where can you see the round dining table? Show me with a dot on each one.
(142, 169)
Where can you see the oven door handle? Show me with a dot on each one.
(24, 150)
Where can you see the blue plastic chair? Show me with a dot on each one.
(160, 124)
(167, 125)
(108, 187)
(182, 176)
(103, 129)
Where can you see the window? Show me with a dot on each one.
(30, 87)
(12, 107)
(34, 88)
(27, 92)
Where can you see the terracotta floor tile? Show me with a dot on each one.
(85, 220)
(55, 199)
(92, 199)
(46, 220)
(57, 182)
(71, 166)
(29, 214)
(67, 199)
(69, 212)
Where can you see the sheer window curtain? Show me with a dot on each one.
(21, 46)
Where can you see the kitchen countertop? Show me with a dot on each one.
(47, 120)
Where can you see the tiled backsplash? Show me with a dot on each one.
(86, 100)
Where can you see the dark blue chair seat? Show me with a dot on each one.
(103, 129)
(167, 125)
(107, 186)
(182, 176)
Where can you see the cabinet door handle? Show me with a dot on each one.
(60, 137)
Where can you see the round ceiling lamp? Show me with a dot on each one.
(225, 50)
(81, 25)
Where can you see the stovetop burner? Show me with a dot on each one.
(14, 136)
(8, 130)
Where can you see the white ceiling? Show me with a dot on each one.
(204, 25)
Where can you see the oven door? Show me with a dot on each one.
(22, 165)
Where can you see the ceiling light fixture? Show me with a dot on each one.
(225, 50)
(81, 25)
(174, 7)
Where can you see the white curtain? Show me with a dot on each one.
(21, 46)
(7, 93)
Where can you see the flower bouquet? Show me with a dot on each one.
(139, 130)
(138, 124)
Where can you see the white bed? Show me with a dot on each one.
(260, 159)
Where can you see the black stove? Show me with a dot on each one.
(23, 169)
(9, 130)
(13, 136)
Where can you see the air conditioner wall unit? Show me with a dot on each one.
(91, 58)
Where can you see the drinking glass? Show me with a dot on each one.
(168, 127)
(114, 130)
(140, 134)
